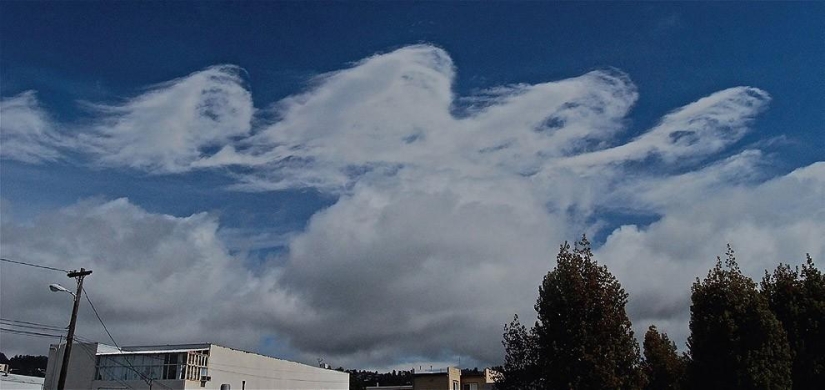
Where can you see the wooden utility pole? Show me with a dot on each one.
(78, 275)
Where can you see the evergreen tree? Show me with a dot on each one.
(29, 365)
(519, 371)
(582, 338)
(798, 301)
(736, 342)
(664, 368)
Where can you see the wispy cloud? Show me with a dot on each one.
(27, 133)
(174, 124)
(699, 129)
(166, 129)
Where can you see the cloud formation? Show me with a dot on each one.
(171, 272)
(26, 132)
(449, 209)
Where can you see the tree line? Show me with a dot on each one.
(743, 335)
(361, 379)
(26, 364)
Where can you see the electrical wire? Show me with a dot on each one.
(86, 293)
(34, 265)
(29, 333)
(128, 365)
(30, 325)
(93, 355)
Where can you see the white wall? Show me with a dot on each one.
(230, 366)
(81, 370)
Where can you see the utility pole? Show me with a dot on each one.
(78, 275)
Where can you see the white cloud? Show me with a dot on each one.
(447, 216)
(701, 128)
(394, 111)
(166, 129)
(779, 220)
(173, 273)
(26, 132)
(169, 127)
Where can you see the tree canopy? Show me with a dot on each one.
(798, 300)
(735, 341)
(664, 368)
(582, 338)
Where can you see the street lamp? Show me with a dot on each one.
(78, 275)
(58, 288)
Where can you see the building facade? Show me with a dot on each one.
(451, 378)
(189, 366)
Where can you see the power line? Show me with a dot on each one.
(28, 333)
(86, 293)
(34, 324)
(31, 327)
(131, 367)
(34, 265)
(93, 355)
(128, 365)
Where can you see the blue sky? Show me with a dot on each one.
(339, 160)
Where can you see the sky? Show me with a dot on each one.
(384, 184)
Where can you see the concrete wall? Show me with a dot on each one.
(233, 367)
(81, 370)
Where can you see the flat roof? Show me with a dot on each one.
(21, 382)
(153, 349)
(148, 351)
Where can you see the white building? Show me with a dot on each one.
(190, 366)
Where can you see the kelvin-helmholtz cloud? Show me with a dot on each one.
(449, 208)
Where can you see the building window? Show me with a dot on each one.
(455, 385)
(196, 365)
(143, 367)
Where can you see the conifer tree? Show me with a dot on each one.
(519, 371)
(798, 301)
(582, 338)
(736, 342)
(664, 368)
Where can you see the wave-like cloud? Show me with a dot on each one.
(449, 208)
(26, 131)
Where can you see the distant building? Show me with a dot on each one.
(378, 387)
(449, 378)
(443, 379)
(189, 366)
(478, 380)
(20, 382)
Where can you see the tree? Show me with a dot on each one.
(664, 368)
(735, 340)
(798, 301)
(582, 338)
(29, 365)
(519, 371)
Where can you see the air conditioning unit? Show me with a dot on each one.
(206, 378)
